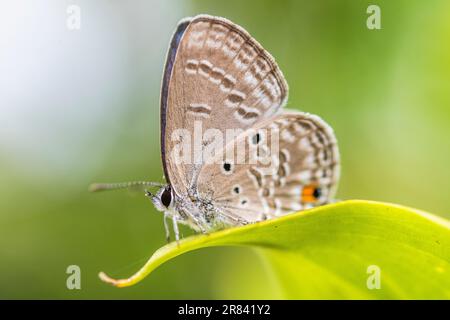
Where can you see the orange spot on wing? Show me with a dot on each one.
(308, 194)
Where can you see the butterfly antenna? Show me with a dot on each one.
(95, 187)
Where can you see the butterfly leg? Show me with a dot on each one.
(228, 216)
(175, 229)
(201, 225)
(198, 223)
(166, 227)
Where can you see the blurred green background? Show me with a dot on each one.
(82, 106)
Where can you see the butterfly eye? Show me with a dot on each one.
(166, 197)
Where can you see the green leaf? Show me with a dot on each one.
(338, 251)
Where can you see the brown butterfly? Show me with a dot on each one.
(218, 79)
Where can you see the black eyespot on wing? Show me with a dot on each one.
(227, 167)
(166, 197)
(317, 193)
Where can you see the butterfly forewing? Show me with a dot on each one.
(291, 163)
(221, 78)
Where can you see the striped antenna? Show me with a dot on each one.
(95, 187)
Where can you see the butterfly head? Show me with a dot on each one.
(163, 199)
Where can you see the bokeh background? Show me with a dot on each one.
(78, 106)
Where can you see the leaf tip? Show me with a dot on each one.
(107, 279)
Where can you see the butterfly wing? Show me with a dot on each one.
(217, 76)
(291, 163)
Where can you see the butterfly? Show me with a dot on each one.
(220, 79)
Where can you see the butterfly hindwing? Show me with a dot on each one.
(300, 172)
